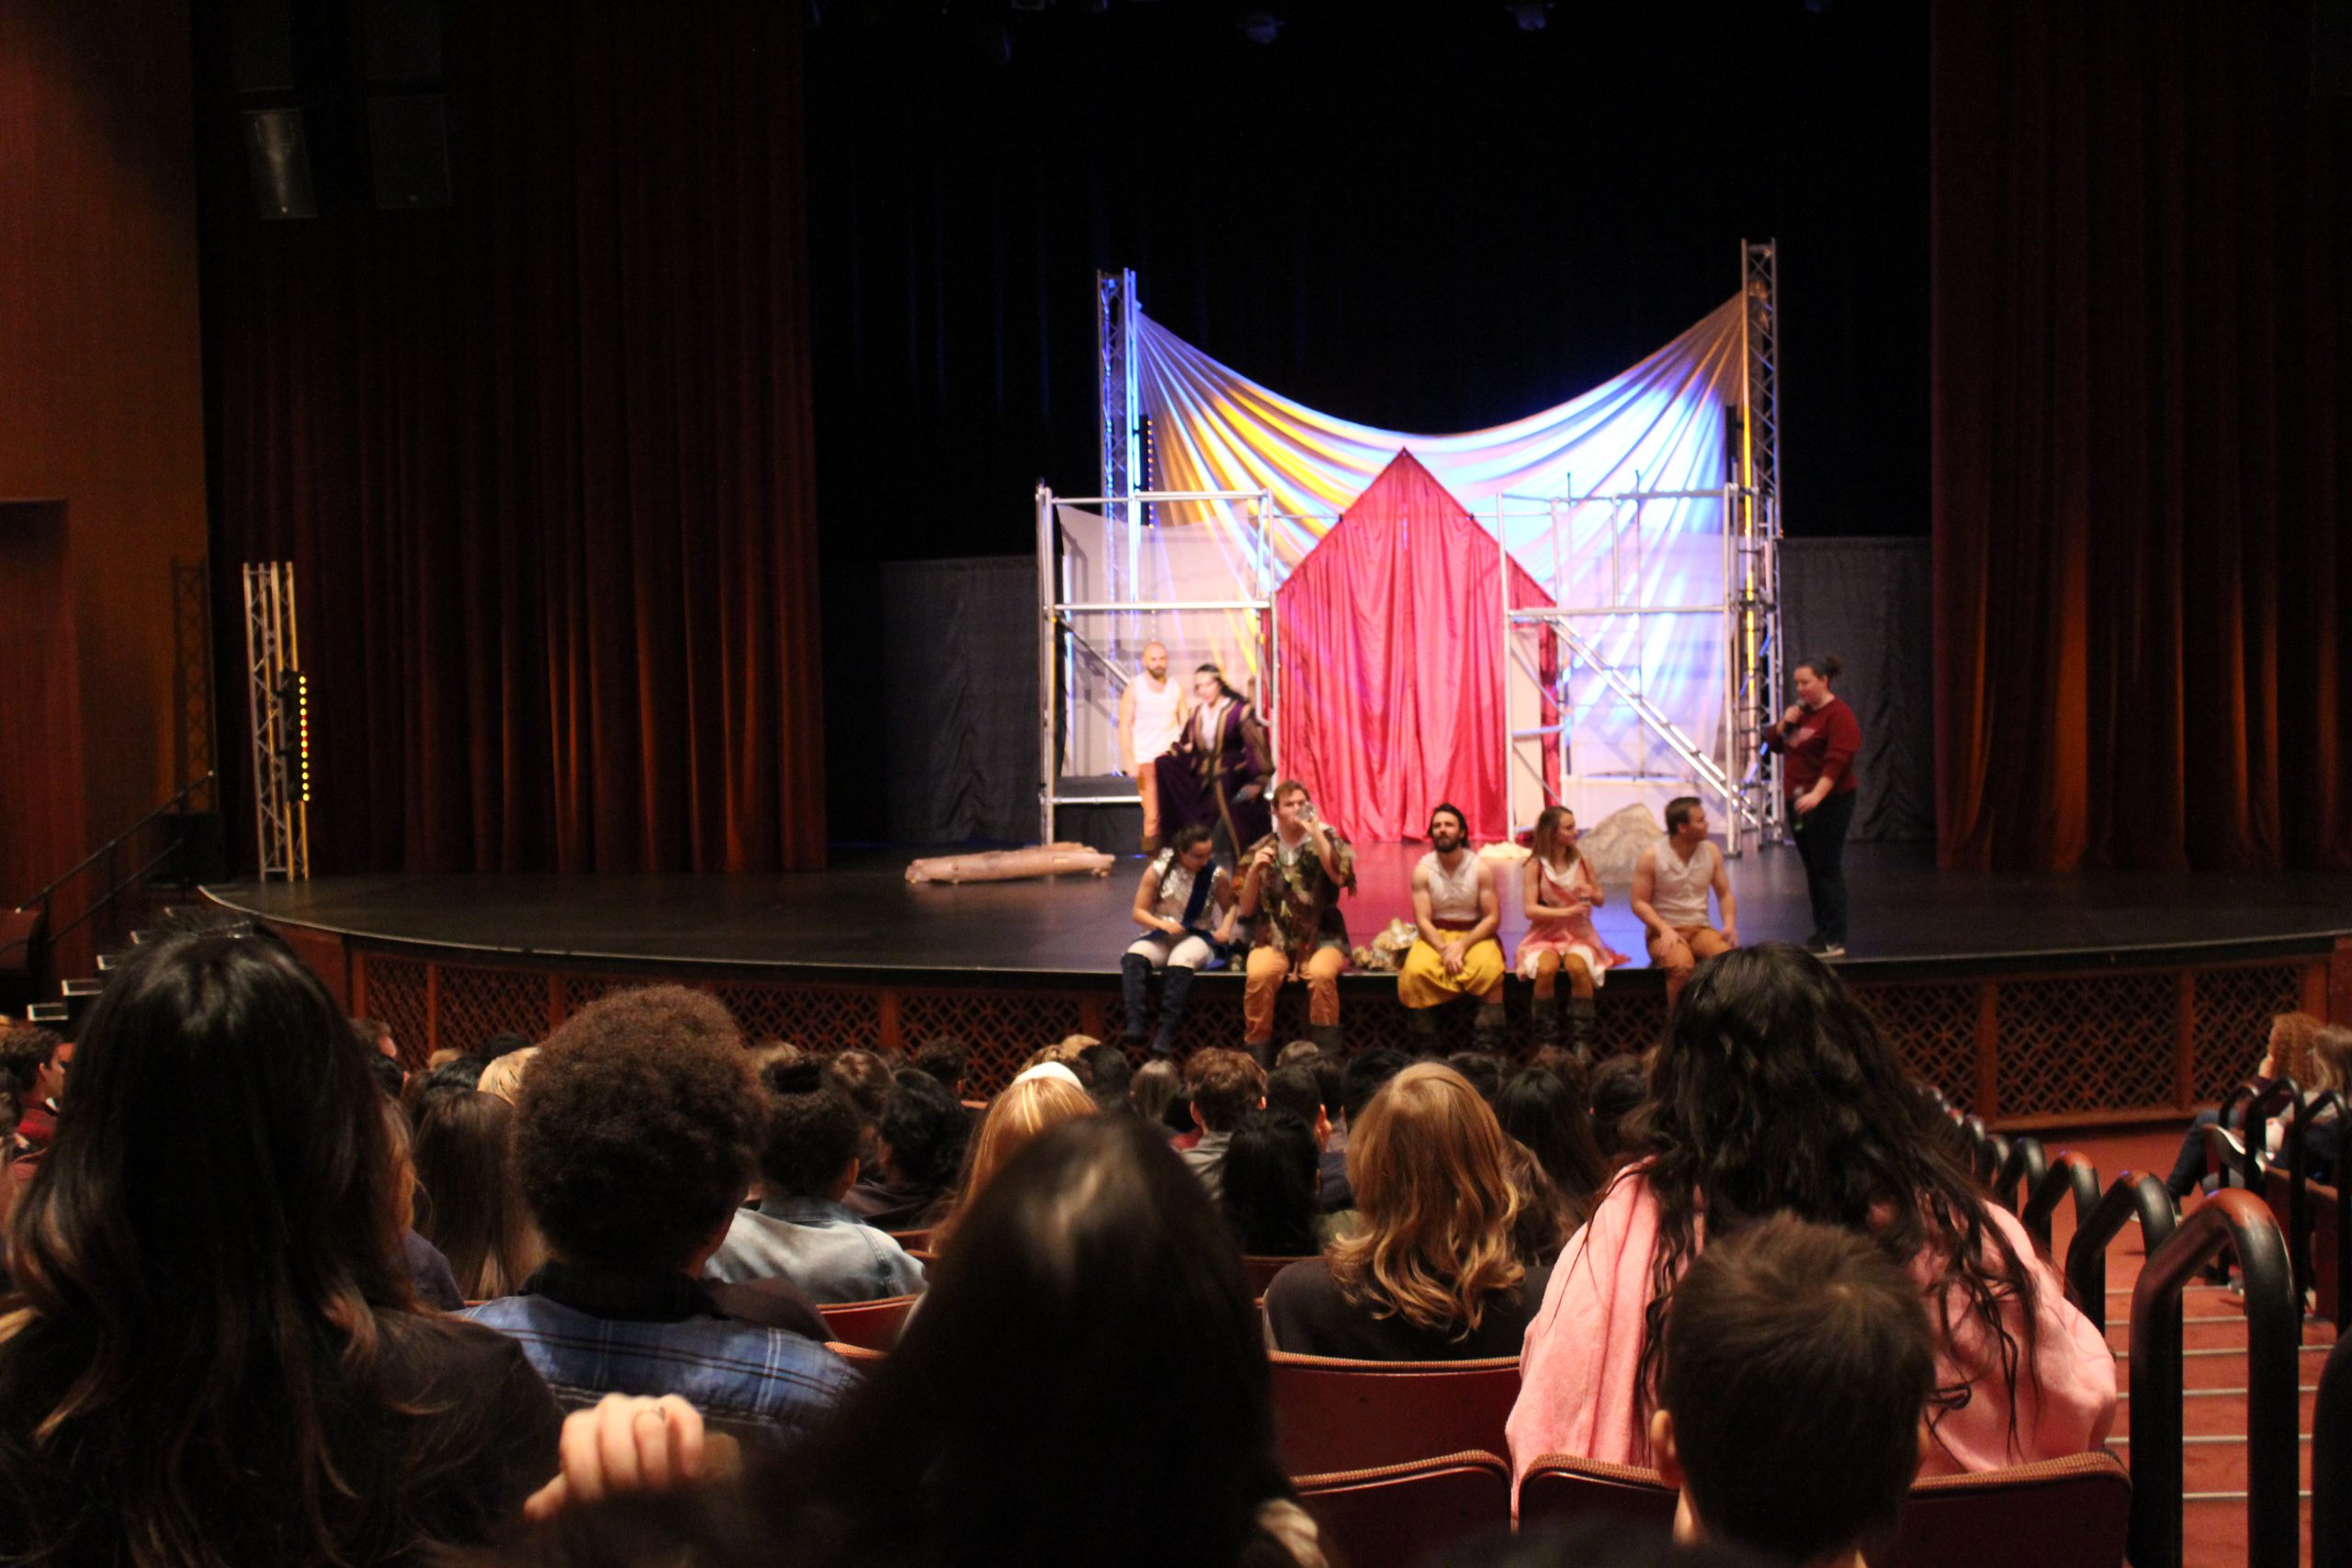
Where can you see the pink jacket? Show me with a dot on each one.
(1576, 1368)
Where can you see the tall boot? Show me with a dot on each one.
(1487, 1029)
(1544, 1021)
(1327, 1039)
(1135, 980)
(1584, 1030)
(1171, 1009)
(1421, 1023)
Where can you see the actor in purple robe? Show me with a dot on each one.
(1217, 773)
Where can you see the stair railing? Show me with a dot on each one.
(2133, 1196)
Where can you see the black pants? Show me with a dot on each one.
(1821, 843)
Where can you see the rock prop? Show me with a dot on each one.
(1386, 953)
(1618, 843)
(1007, 865)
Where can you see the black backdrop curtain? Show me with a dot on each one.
(1867, 600)
(542, 458)
(2143, 316)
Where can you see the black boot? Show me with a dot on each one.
(1135, 979)
(1421, 1023)
(1171, 1009)
(1487, 1029)
(1583, 1028)
(1544, 1021)
(1327, 1039)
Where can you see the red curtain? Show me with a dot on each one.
(542, 458)
(1392, 662)
(2141, 312)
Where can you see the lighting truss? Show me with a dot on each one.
(278, 700)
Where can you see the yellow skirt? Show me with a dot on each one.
(1423, 982)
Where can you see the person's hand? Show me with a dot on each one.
(626, 1443)
(1731, 936)
(1794, 714)
(1247, 791)
(1452, 957)
(1810, 800)
(1263, 859)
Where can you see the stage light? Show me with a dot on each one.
(1531, 14)
(1261, 26)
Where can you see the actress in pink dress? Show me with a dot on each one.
(1559, 892)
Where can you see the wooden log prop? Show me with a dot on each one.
(1006, 866)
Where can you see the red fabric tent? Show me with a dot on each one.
(1391, 696)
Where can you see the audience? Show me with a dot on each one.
(800, 1232)
(429, 1275)
(1223, 1086)
(1107, 1072)
(947, 1059)
(960, 1452)
(503, 1076)
(458, 1075)
(1267, 1186)
(1365, 1073)
(634, 1140)
(1798, 1365)
(1156, 1085)
(1041, 1098)
(918, 1148)
(1539, 1110)
(211, 1356)
(1296, 1092)
(1430, 1274)
(2292, 1051)
(33, 1063)
(1618, 1088)
(1483, 1070)
(1773, 1092)
(377, 1035)
(472, 1210)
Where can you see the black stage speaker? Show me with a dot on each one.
(278, 155)
(407, 142)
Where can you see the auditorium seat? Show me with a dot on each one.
(872, 1324)
(1404, 1513)
(913, 1241)
(1348, 1415)
(2063, 1513)
(862, 1357)
(1261, 1270)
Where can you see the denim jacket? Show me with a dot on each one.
(819, 1246)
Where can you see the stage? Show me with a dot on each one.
(2033, 997)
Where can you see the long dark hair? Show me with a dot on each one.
(1267, 1186)
(1539, 1109)
(473, 1210)
(1774, 1093)
(205, 1273)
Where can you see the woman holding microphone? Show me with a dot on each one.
(1819, 736)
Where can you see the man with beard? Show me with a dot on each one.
(1456, 955)
(1152, 712)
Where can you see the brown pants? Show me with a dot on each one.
(1269, 967)
(1682, 951)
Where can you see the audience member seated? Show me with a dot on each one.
(212, 1356)
(1482, 1070)
(1295, 1091)
(635, 1140)
(947, 1059)
(1107, 1072)
(1539, 1110)
(34, 1062)
(1429, 1275)
(429, 1275)
(1156, 1084)
(1774, 1092)
(1040, 1098)
(1095, 1286)
(918, 1148)
(1798, 1365)
(1224, 1087)
(458, 1075)
(505, 1043)
(1619, 1087)
(1266, 1186)
(504, 1077)
(800, 1232)
(1365, 1073)
(1546, 1220)
(2288, 1052)
(472, 1211)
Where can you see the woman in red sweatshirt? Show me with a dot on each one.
(1819, 736)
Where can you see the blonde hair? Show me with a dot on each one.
(1067, 1049)
(2292, 1035)
(1547, 836)
(1020, 1113)
(503, 1078)
(1427, 1160)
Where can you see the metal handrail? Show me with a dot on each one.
(1992, 1154)
(90, 859)
(2331, 1461)
(2072, 1174)
(2021, 1174)
(2241, 1223)
(2133, 1196)
(2229, 1155)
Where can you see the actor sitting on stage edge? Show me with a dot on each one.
(1183, 898)
(1455, 905)
(1559, 892)
(1670, 884)
(1152, 711)
(1291, 894)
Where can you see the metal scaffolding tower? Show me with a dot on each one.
(278, 700)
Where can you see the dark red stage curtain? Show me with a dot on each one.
(2143, 317)
(543, 457)
(1392, 662)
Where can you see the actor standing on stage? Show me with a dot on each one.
(1291, 893)
(1218, 774)
(1670, 886)
(1559, 893)
(1180, 904)
(1152, 711)
(1820, 737)
(1456, 955)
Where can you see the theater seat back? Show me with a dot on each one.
(2062, 1513)
(874, 1324)
(1559, 1488)
(1261, 1271)
(1333, 1415)
(1405, 1513)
